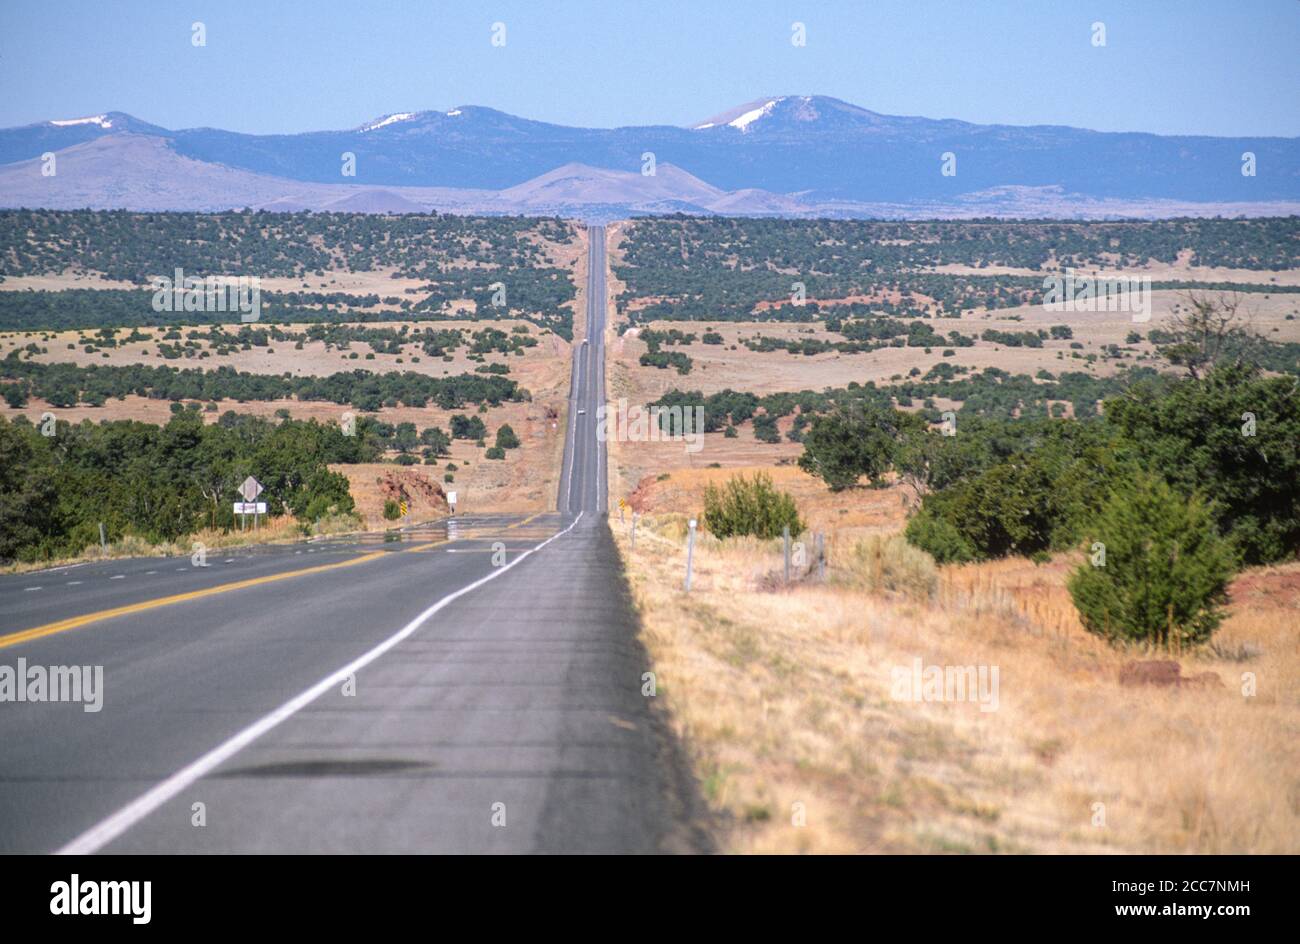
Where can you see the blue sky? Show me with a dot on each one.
(1224, 68)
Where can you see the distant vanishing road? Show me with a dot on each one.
(368, 695)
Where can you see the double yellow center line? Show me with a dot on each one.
(49, 629)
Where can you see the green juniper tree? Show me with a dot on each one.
(1158, 571)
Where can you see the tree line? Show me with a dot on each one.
(66, 385)
(161, 483)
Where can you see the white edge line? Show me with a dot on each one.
(99, 835)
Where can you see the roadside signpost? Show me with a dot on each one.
(451, 501)
(250, 489)
(250, 506)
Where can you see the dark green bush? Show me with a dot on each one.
(1156, 565)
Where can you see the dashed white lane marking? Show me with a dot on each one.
(181, 570)
(98, 836)
(148, 572)
(228, 560)
(73, 583)
(118, 577)
(30, 589)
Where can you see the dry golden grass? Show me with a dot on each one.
(783, 697)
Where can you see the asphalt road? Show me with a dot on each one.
(466, 686)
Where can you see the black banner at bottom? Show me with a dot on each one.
(1221, 895)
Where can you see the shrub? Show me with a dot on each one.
(749, 507)
(392, 510)
(506, 438)
(1164, 567)
(495, 452)
(887, 563)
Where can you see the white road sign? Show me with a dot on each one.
(250, 508)
(250, 489)
(451, 498)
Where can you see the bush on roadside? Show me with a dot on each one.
(1156, 566)
(392, 510)
(749, 507)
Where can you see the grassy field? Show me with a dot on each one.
(785, 699)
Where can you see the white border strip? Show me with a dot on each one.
(100, 835)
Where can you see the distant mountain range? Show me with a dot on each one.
(786, 155)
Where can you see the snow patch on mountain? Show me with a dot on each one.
(102, 120)
(388, 120)
(741, 120)
(749, 117)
